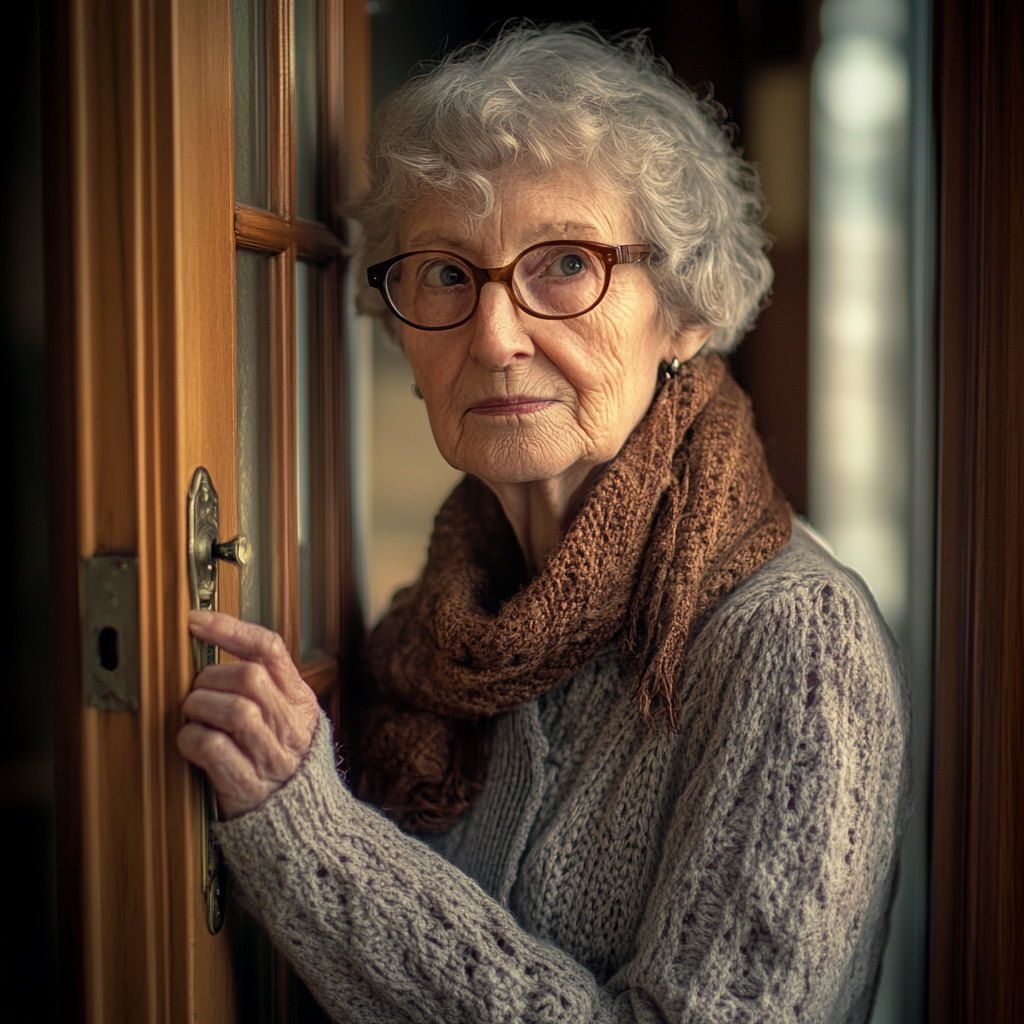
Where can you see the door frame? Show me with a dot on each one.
(977, 897)
(140, 257)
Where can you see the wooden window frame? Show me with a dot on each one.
(284, 236)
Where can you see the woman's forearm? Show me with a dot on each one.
(382, 928)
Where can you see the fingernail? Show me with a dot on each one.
(200, 618)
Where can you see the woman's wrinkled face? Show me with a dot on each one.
(516, 399)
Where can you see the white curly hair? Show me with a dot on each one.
(539, 99)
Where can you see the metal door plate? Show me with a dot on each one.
(202, 577)
(110, 632)
(202, 566)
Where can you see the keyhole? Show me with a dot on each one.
(108, 648)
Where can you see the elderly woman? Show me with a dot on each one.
(648, 737)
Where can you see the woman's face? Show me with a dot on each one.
(514, 399)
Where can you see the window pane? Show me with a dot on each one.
(311, 632)
(249, 21)
(307, 109)
(859, 314)
(862, 413)
(254, 437)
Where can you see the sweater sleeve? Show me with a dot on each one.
(773, 885)
(380, 927)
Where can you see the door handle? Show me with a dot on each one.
(204, 552)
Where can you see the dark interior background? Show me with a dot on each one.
(28, 971)
(725, 46)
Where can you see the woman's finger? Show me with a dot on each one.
(239, 788)
(244, 722)
(291, 721)
(247, 679)
(253, 682)
(249, 642)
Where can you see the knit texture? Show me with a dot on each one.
(683, 514)
(740, 869)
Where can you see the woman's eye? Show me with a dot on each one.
(568, 265)
(444, 275)
(565, 265)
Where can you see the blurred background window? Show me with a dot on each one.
(859, 358)
(871, 386)
(409, 480)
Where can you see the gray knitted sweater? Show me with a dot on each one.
(740, 869)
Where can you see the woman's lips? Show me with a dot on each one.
(511, 405)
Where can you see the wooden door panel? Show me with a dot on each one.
(141, 239)
(142, 337)
(108, 763)
(204, 434)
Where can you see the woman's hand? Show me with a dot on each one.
(251, 722)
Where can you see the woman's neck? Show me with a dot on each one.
(540, 510)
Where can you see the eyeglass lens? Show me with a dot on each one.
(434, 289)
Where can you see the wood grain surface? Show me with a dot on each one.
(978, 806)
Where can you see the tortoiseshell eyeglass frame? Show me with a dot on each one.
(610, 256)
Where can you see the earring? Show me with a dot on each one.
(668, 370)
(416, 392)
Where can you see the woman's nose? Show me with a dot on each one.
(499, 333)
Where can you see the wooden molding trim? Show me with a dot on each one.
(355, 89)
(268, 232)
(977, 954)
(320, 674)
(279, 124)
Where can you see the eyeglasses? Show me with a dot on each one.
(434, 290)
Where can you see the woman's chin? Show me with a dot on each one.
(504, 469)
(517, 456)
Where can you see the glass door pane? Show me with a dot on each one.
(249, 39)
(254, 427)
(307, 109)
(309, 447)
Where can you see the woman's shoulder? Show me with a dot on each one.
(801, 650)
(805, 574)
(807, 560)
(804, 606)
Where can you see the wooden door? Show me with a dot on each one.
(187, 328)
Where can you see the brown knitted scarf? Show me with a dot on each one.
(683, 515)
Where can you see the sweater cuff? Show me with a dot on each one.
(312, 801)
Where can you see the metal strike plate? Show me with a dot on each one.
(110, 632)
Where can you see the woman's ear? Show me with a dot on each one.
(687, 342)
